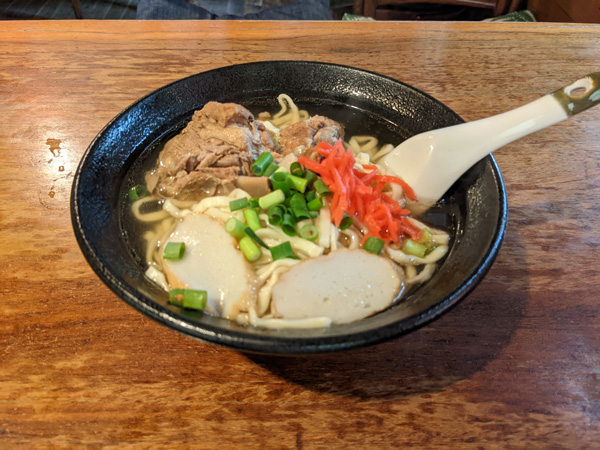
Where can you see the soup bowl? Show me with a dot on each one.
(474, 210)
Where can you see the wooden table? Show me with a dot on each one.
(515, 365)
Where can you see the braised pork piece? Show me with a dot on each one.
(211, 152)
(302, 137)
(212, 155)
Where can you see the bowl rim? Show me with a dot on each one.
(273, 344)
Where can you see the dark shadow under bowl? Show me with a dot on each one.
(474, 209)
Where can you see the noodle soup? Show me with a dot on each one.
(319, 235)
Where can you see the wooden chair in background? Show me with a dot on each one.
(77, 9)
(369, 8)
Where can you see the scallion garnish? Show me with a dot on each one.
(275, 214)
(283, 250)
(427, 240)
(174, 250)
(271, 199)
(193, 299)
(310, 177)
(374, 245)
(137, 192)
(188, 298)
(252, 219)
(346, 222)
(255, 238)
(262, 162)
(309, 232)
(315, 204)
(235, 228)
(240, 203)
(299, 207)
(297, 183)
(413, 248)
(176, 296)
(296, 169)
(280, 181)
(321, 188)
(249, 248)
(270, 170)
(288, 224)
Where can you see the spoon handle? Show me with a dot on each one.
(487, 135)
(580, 95)
(467, 143)
(432, 161)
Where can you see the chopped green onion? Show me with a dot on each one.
(240, 203)
(310, 195)
(275, 214)
(235, 228)
(253, 203)
(321, 188)
(297, 183)
(288, 224)
(299, 207)
(195, 299)
(413, 248)
(281, 251)
(137, 192)
(270, 170)
(316, 204)
(280, 181)
(249, 248)
(271, 199)
(425, 235)
(260, 165)
(252, 219)
(313, 214)
(310, 177)
(254, 237)
(346, 222)
(309, 232)
(296, 169)
(174, 250)
(176, 296)
(286, 203)
(188, 298)
(374, 245)
(427, 240)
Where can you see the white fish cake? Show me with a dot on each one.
(213, 263)
(345, 285)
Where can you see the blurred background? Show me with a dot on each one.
(581, 11)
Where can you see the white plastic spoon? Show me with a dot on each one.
(431, 162)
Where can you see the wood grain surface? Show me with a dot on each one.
(515, 365)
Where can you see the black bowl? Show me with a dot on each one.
(474, 208)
